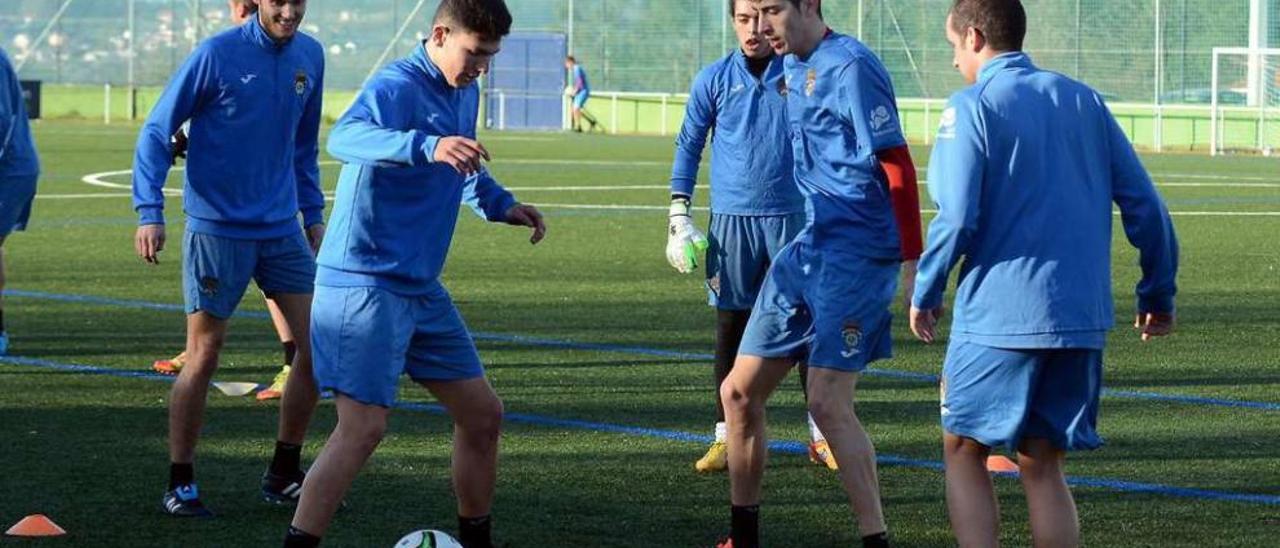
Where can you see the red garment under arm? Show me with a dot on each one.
(905, 196)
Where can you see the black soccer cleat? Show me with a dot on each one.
(184, 502)
(285, 490)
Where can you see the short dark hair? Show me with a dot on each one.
(795, 3)
(1002, 22)
(488, 18)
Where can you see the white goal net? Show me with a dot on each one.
(1245, 101)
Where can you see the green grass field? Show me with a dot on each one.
(598, 349)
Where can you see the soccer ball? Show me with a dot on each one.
(428, 538)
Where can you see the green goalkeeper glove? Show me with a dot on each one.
(684, 241)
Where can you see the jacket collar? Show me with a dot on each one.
(253, 32)
(773, 71)
(1013, 59)
(421, 61)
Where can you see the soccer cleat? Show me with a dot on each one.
(726, 543)
(284, 490)
(171, 366)
(716, 459)
(276, 389)
(820, 454)
(184, 502)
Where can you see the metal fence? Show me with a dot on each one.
(1150, 51)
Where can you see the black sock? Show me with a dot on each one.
(290, 350)
(878, 540)
(297, 538)
(181, 473)
(475, 532)
(1, 320)
(287, 460)
(803, 369)
(745, 526)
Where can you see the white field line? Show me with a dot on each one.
(619, 207)
(83, 196)
(98, 179)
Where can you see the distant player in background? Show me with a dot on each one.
(253, 96)
(827, 296)
(756, 208)
(580, 91)
(1025, 169)
(19, 168)
(410, 158)
(240, 11)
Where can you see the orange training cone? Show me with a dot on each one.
(1000, 463)
(35, 525)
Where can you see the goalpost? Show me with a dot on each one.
(1244, 112)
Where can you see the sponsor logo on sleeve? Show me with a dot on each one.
(881, 119)
(947, 126)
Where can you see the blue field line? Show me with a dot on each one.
(645, 351)
(780, 446)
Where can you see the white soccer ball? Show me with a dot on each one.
(428, 538)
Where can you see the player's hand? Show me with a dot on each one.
(315, 236)
(148, 242)
(908, 283)
(684, 241)
(461, 153)
(924, 323)
(1154, 325)
(527, 215)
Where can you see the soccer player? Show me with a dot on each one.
(826, 298)
(1026, 166)
(253, 96)
(756, 207)
(240, 11)
(410, 158)
(19, 168)
(580, 91)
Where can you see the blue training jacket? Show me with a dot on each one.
(1025, 169)
(17, 147)
(254, 107)
(751, 167)
(580, 83)
(842, 110)
(395, 211)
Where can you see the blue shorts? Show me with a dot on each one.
(216, 270)
(741, 250)
(16, 195)
(364, 338)
(1000, 396)
(580, 99)
(829, 308)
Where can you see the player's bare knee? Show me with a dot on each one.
(365, 433)
(735, 400)
(830, 413)
(483, 421)
(204, 346)
(1034, 470)
(954, 446)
